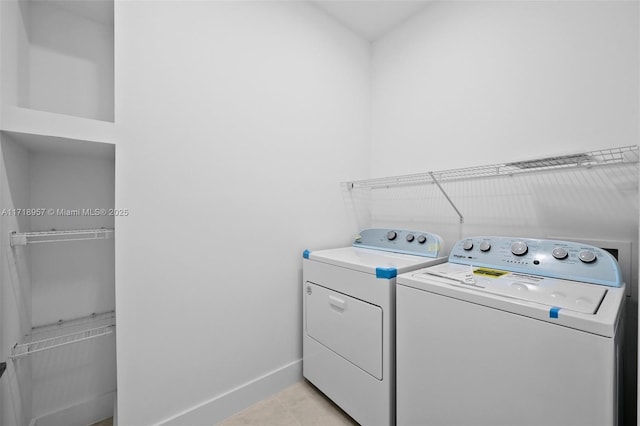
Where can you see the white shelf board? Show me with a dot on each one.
(56, 126)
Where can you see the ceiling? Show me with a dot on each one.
(371, 18)
(96, 10)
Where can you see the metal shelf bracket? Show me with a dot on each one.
(447, 197)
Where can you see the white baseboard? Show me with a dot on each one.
(84, 413)
(235, 400)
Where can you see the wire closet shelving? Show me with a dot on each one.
(584, 160)
(65, 332)
(55, 236)
(605, 157)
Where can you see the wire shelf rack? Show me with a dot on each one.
(67, 332)
(54, 236)
(605, 157)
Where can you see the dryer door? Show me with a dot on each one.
(348, 326)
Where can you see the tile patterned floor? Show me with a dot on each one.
(301, 404)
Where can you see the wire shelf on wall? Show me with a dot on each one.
(499, 193)
(54, 236)
(67, 332)
(605, 157)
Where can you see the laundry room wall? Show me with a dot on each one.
(236, 122)
(464, 84)
(15, 285)
(66, 73)
(473, 83)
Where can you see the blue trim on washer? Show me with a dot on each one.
(386, 273)
(306, 254)
(553, 312)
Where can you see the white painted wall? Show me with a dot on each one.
(75, 279)
(237, 121)
(14, 54)
(70, 62)
(474, 83)
(13, 324)
(15, 284)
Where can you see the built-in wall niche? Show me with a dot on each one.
(59, 260)
(66, 60)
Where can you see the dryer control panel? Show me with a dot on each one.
(417, 243)
(548, 258)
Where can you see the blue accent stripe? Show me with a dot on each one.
(553, 312)
(386, 273)
(306, 254)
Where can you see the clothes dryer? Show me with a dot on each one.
(349, 317)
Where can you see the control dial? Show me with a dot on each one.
(422, 239)
(410, 238)
(391, 235)
(467, 245)
(485, 246)
(559, 253)
(519, 248)
(587, 256)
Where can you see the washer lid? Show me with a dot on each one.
(553, 292)
(370, 261)
(588, 307)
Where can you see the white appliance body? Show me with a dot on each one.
(513, 341)
(349, 318)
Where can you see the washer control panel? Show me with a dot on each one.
(417, 243)
(548, 258)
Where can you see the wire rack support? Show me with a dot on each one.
(447, 197)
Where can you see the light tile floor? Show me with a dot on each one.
(107, 422)
(301, 404)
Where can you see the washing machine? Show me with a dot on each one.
(511, 331)
(349, 317)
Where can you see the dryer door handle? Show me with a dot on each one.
(338, 303)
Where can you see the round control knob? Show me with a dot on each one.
(410, 238)
(559, 253)
(422, 239)
(391, 235)
(587, 256)
(485, 246)
(467, 245)
(519, 248)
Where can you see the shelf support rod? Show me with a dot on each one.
(446, 196)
